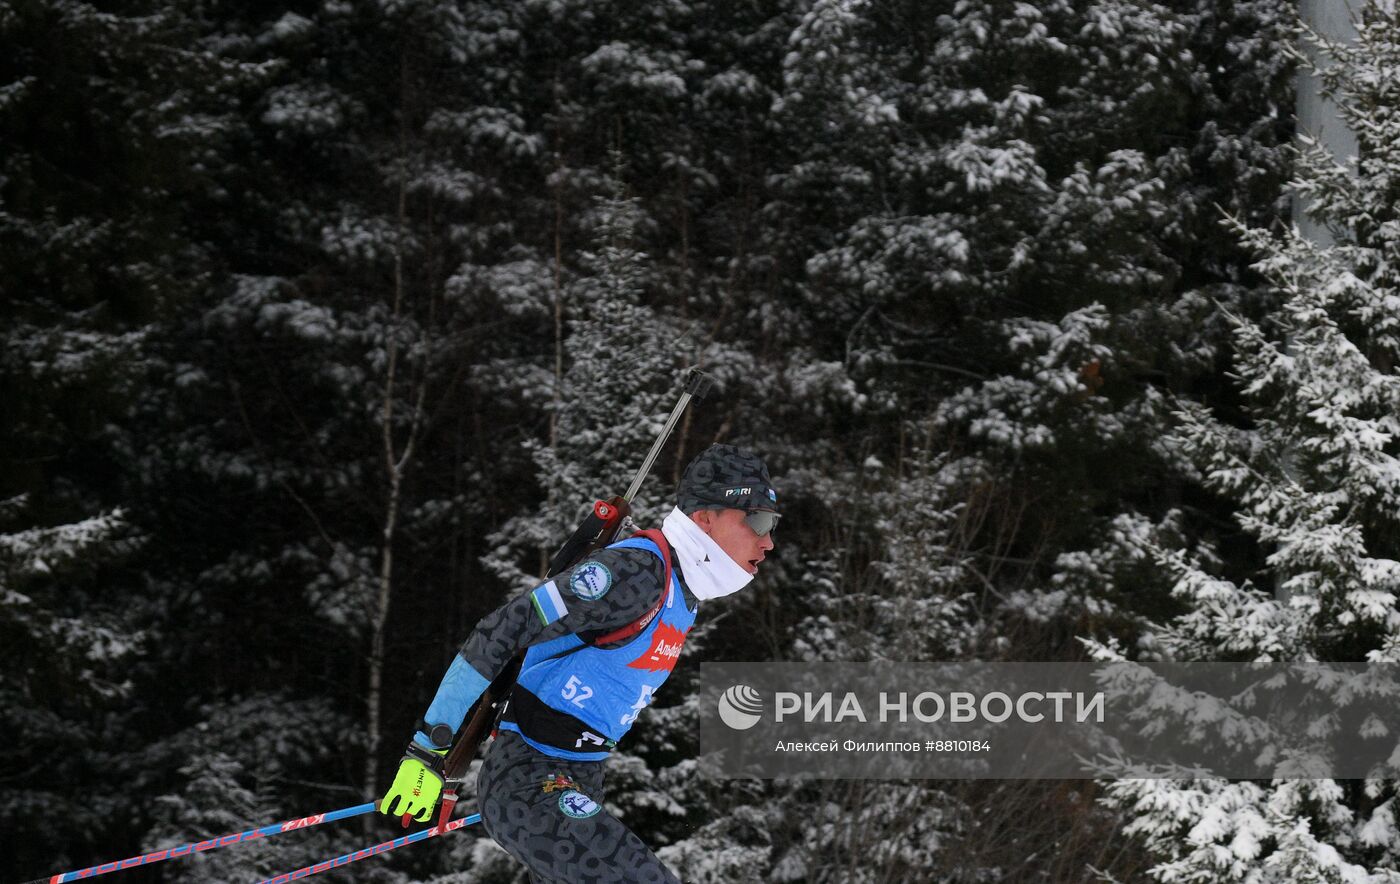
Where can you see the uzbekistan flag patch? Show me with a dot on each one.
(548, 603)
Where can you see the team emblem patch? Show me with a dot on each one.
(578, 805)
(591, 581)
(558, 782)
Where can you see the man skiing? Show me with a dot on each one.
(602, 637)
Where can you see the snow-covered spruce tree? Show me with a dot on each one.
(682, 92)
(316, 397)
(619, 371)
(67, 650)
(234, 767)
(1314, 475)
(978, 213)
(911, 521)
(897, 556)
(109, 119)
(1007, 209)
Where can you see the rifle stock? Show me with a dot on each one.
(598, 530)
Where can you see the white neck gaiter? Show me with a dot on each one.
(709, 571)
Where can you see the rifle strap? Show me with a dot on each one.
(636, 626)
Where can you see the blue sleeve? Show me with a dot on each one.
(459, 689)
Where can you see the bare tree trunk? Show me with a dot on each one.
(395, 464)
(558, 399)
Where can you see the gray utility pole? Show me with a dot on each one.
(1318, 116)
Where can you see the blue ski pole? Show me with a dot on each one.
(202, 846)
(376, 850)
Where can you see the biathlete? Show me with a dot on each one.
(602, 638)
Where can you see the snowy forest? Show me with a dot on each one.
(324, 322)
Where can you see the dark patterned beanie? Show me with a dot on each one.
(726, 477)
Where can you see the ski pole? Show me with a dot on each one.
(210, 844)
(376, 850)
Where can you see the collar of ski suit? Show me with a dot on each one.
(709, 571)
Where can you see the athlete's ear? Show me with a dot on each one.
(704, 518)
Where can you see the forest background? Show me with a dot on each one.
(323, 322)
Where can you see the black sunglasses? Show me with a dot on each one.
(761, 522)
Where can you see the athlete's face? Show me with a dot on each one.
(728, 529)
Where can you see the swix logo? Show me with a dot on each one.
(646, 620)
(665, 649)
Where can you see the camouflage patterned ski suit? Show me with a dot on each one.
(547, 811)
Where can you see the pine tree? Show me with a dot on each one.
(1312, 474)
(619, 374)
(944, 259)
(69, 649)
(995, 242)
(107, 119)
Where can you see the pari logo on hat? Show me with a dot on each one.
(726, 477)
(749, 493)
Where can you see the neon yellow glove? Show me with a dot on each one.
(417, 786)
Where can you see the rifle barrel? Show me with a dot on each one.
(696, 385)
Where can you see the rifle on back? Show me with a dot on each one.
(598, 529)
